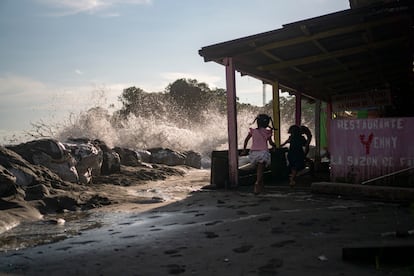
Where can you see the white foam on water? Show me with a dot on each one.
(139, 132)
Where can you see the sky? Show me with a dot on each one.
(62, 56)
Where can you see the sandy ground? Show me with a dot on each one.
(173, 227)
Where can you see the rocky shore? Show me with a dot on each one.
(44, 177)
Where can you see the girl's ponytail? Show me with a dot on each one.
(273, 126)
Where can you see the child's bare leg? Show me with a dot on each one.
(292, 177)
(259, 179)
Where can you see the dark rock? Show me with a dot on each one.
(111, 162)
(193, 159)
(144, 155)
(8, 185)
(51, 154)
(51, 147)
(17, 171)
(88, 158)
(129, 157)
(167, 157)
(58, 204)
(36, 192)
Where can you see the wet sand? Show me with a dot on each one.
(30, 223)
(218, 232)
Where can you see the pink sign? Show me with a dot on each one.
(363, 149)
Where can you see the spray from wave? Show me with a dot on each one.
(139, 132)
(160, 123)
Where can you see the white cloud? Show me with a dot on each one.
(26, 100)
(112, 14)
(68, 7)
(23, 93)
(18, 86)
(79, 72)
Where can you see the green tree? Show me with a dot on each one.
(140, 103)
(218, 99)
(185, 101)
(131, 98)
(191, 97)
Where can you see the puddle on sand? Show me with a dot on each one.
(48, 230)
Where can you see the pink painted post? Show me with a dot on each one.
(232, 122)
(298, 108)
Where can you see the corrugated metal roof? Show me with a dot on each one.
(340, 53)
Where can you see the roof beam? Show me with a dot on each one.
(330, 33)
(331, 55)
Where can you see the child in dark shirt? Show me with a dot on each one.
(296, 154)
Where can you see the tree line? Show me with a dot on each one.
(185, 100)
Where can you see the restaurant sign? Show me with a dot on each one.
(363, 149)
(362, 100)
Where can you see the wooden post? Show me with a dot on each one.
(298, 108)
(232, 123)
(276, 112)
(317, 133)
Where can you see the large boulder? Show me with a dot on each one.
(27, 150)
(174, 158)
(111, 162)
(51, 154)
(193, 159)
(88, 156)
(17, 173)
(131, 157)
(8, 185)
(144, 155)
(167, 157)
